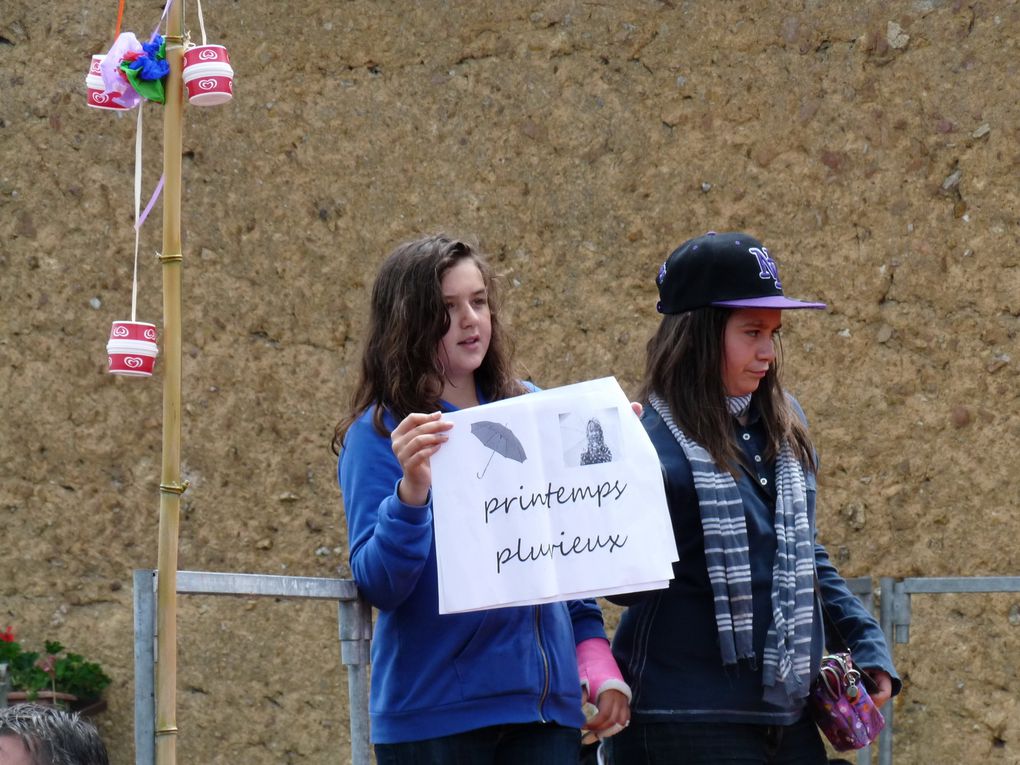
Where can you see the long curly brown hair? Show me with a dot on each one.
(684, 364)
(401, 371)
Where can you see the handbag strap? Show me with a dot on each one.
(850, 673)
(827, 620)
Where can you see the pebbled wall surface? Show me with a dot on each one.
(872, 146)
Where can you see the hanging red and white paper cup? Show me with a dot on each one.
(208, 76)
(131, 349)
(206, 54)
(98, 97)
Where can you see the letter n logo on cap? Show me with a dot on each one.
(766, 265)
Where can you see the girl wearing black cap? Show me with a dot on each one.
(485, 687)
(720, 663)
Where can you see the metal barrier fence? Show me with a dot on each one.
(354, 620)
(895, 619)
(355, 625)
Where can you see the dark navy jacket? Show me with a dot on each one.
(667, 642)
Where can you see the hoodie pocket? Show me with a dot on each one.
(501, 657)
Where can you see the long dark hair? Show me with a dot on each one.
(683, 366)
(401, 371)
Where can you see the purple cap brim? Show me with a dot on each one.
(775, 301)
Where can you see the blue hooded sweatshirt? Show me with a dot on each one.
(435, 675)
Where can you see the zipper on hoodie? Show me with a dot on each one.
(545, 662)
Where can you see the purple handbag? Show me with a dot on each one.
(841, 707)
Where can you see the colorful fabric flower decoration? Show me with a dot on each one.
(135, 70)
(115, 81)
(145, 70)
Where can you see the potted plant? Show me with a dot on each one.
(55, 676)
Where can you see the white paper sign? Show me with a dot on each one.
(550, 496)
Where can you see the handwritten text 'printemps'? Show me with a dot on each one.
(560, 494)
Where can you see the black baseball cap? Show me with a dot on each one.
(730, 270)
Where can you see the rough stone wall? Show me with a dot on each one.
(872, 145)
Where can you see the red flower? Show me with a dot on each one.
(7, 636)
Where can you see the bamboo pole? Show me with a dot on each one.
(171, 487)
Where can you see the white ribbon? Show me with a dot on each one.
(138, 204)
(201, 22)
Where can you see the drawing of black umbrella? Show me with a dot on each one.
(500, 439)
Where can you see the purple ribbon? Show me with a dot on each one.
(152, 201)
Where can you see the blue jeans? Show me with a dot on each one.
(693, 743)
(529, 743)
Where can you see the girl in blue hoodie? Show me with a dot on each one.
(497, 686)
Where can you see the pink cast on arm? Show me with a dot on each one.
(598, 669)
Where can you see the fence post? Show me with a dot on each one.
(5, 685)
(144, 600)
(900, 613)
(888, 588)
(862, 588)
(355, 642)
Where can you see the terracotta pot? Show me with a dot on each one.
(66, 700)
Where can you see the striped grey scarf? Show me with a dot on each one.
(787, 659)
